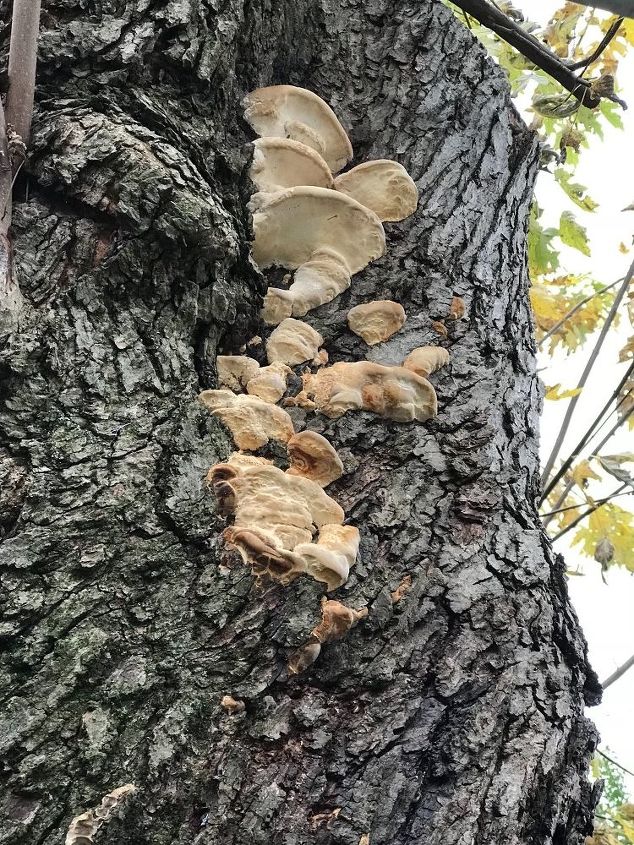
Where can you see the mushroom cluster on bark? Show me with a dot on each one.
(324, 226)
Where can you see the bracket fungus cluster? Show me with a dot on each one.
(324, 227)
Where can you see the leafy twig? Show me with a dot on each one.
(530, 47)
(574, 310)
(614, 763)
(609, 35)
(590, 510)
(581, 504)
(584, 376)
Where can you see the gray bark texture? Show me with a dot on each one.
(453, 716)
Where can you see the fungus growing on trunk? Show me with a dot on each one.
(293, 342)
(285, 111)
(280, 163)
(392, 392)
(336, 621)
(83, 828)
(383, 186)
(251, 421)
(232, 705)
(312, 456)
(275, 518)
(269, 383)
(234, 371)
(376, 321)
(319, 280)
(325, 235)
(425, 360)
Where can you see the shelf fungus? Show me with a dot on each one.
(336, 621)
(251, 421)
(269, 383)
(275, 518)
(285, 111)
(392, 392)
(312, 456)
(293, 342)
(376, 321)
(425, 360)
(235, 371)
(324, 235)
(280, 163)
(232, 705)
(83, 828)
(383, 186)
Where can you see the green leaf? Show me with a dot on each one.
(542, 256)
(574, 190)
(572, 233)
(611, 112)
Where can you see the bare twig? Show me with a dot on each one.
(609, 35)
(581, 504)
(25, 23)
(530, 47)
(614, 763)
(618, 672)
(585, 374)
(590, 510)
(574, 310)
(593, 429)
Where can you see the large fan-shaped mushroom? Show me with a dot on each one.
(285, 111)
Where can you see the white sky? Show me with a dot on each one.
(605, 610)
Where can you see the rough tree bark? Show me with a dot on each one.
(453, 716)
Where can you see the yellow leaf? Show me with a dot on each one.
(617, 525)
(582, 473)
(555, 393)
(622, 248)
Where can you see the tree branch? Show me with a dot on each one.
(530, 47)
(618, 672)
(590, 510)
(609, 35)
(574, 310)
(25, 24)
(593, 429)
(584, 376)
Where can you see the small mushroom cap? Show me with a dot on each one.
(251, 421)
(319, 280)
(269, 383)
(383, 186)
(280, 163)
(312, 456)
(293, 342)
(285, 111)
(291, 226)
(392, 392)
(231, 704)
(337, 620)
(376, 321)
(425, 360)
(234, 371)
(303, 657)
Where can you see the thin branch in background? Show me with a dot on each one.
(585, 374)
(609, 35)
(590, 510)
(581, 504)
(594, 428)
(530, 47)
(614, 763)
(574, 310)
(25, 22)
(618, 672)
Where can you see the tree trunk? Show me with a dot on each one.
(453, 716)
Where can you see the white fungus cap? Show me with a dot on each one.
(280, 163)
(285, 111)
(291, 226)
(383, 186)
